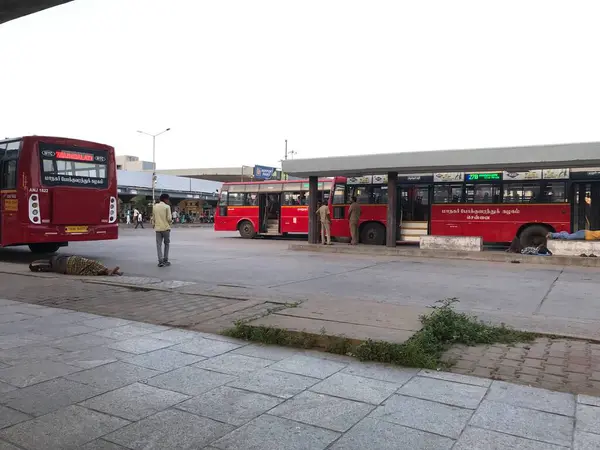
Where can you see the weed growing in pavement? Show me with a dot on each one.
(442, 328)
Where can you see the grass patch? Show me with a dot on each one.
(442, 328)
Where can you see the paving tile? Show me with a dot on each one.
(234, 364)
(175, 335)
(29, 373)
(456, 377)
(322, 410)
(190, 380)
(457, 394)
(66, 428)
(356, 388)
(103, 323)
(527, 423)
(266, 351)
(230, 405)
(376, 434)
(9, 416)
(588, 418)
(9, 341)
(274, 433)
(308, 366)
(480, 439)
(48, 396)
(62, 331)
(205, 347)
(134, 402)
(6, 446)
(92, 357)
(383, 372)
(170, 430)
(164, 360)
(33, 352)
(83, 342)
(273, 382)
(112, 376)
(5, 387)
(584, 441)
(533, 398)
(100, 444)
(588, 400)
(124, 332)
(423, 415)
(139, 345)
(15, 317)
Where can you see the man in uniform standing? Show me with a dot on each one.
(353, 218)
(325, 219)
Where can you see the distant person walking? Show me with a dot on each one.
(128, 217)
(162, 219)
(325, 218)
(140, 220)
(353, 218)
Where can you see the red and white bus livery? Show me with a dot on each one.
(494, 205)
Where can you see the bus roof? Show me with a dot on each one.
(505, 158)
(72, 141)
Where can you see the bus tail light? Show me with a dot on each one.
(34, 209)
(112, 212)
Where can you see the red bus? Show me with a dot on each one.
(494, 205)
(56, 190)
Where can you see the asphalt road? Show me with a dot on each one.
(202, 255)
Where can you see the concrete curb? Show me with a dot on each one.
(493, 256)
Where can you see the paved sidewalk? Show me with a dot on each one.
(72, 380)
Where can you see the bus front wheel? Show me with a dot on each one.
(373, 234)
(44, 247)
(247, 230)
(533, 235)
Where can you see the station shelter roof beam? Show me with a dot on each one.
(503, 158)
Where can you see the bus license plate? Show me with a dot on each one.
(76, 229)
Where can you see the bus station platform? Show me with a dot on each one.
(413, 251)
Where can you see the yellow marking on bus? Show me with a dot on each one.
(11, 204)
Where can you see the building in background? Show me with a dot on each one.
(133, 163)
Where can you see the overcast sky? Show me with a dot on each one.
(234, 79)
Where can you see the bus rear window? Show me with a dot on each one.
(73, 166)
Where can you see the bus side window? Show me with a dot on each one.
(555, 192)
(236, 199)
(361, 193)
(482, 193)
(521, 193)
(251, 199)
(8, 174)
(380, 195)
(291, 198)
(339, 195)
(448, 193)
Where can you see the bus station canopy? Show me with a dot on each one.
(506, 158)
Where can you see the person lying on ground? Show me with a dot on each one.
(580, 235)
(73, 265)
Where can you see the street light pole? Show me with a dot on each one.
(153, 136)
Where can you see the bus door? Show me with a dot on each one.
(413, 212)
(269, 212)
(585, 198)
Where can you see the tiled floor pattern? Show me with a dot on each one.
(72, 380)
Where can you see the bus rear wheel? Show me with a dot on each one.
(533, 235)
(247, 230)
(44, 247)
(373, 234)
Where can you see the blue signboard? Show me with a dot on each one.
(265, 173)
